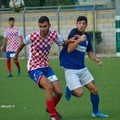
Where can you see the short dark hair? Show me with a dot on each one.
(11, 19)
(80, 18)
(43, 19)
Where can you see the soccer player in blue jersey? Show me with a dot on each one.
(76, 73)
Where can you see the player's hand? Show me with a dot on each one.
(73, 39)
(99, 62)
(15, 58)
(82, 38)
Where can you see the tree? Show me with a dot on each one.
(4, 3)
(37, 3)
(33, 3)
(59, 2)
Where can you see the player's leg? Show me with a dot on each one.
(57, 92)
(17, 64)
(49, 73)
(94, 96)
(8, 64)
(49, 96)
(73, 84)
(38, 76)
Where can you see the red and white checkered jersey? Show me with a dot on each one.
(12, 35)
(39, 48)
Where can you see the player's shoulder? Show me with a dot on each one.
(34, 34)
(74, 30)
(16, 27)
(53, 31)
(7, 28)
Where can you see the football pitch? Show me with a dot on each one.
(21, 99)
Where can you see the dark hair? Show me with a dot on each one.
(11, 19)
(80, 18)
(44, 19)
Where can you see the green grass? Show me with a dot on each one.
(29, 101)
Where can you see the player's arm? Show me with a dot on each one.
(21, 39)
(61, 42)
(94, 58)
(72, 46)
(21, 46)
(91, 54)
(72, 40)
(3, 44)
(20, 35)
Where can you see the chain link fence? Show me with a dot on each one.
(101, 24)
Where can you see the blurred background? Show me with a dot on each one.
(63, 15)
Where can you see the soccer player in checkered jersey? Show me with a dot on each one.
(13, 37)
(38, 65)
(76, 73)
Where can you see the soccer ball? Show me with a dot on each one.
(16, 5)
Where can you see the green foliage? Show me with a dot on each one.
(4, 3)
(98, 37)
(59, 2)
(113, 1)
(34, 3)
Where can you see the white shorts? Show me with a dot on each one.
(77, 78)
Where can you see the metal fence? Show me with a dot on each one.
(63, 18)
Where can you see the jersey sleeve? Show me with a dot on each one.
(4, 34)
(19, 32)
(59, 40)
(27, 40)
(89, 47)
(72, 33)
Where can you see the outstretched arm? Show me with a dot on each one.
(18, 51)
(3, 44)
(72, 46)
(94, 58)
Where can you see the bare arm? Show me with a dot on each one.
(21, 39)
(72, 46)
(72, 40)
(94, 58)
(3, 44)
(18, 51)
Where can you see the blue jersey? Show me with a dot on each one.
(75, 59)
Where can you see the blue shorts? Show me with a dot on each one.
(36, 74)
(10, 54)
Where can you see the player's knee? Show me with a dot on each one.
(78, 93)
(49, 87)
(94, 91)
(59, 92)
(15, 62)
